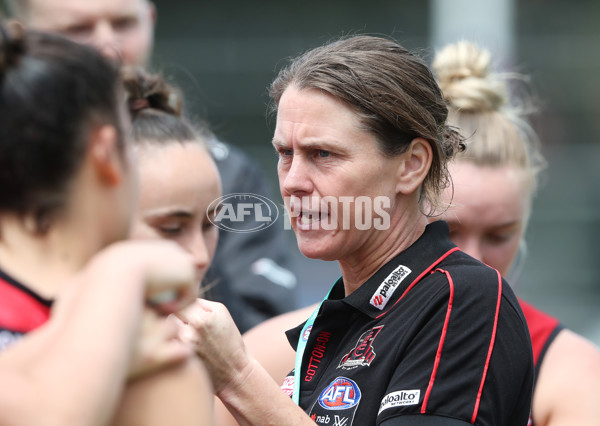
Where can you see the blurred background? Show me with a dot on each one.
(224, 54)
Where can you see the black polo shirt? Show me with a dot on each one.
(433, 338)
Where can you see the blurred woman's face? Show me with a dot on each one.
(489, 212)
(177, 184)
(326, 162)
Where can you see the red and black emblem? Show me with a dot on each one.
(363, 354)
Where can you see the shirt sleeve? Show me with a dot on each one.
(470, 358)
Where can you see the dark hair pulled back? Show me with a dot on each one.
(52, 91)
(156, 109)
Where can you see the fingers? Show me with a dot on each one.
(164, 271)
(158, 346)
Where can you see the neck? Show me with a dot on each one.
(46, 262)
(405, 229)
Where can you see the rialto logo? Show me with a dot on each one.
(363, 354)
(400, 398)
(242, 212)
(388, 287)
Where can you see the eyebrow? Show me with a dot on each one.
(311, 144)
(278, 143)
(455, 220)
(179, 214)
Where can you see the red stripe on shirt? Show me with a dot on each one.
(541, 328)
(416, 280)
(438, 355)
(490, 349)
(19, 311)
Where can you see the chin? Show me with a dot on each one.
(312, 251)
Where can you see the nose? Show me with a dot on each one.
(297, 180)
(472, 247)
(201, 256)
(106, 40)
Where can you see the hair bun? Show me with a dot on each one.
(463, 73)
(12, 44)
(150, 92)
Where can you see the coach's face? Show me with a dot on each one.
(120, 29)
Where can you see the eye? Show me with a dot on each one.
(324, 154)
(124, 23)
(171, 230)
(208, 225)
(497, 239)
(80, 32)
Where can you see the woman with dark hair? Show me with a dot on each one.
(415, 331)
(84, 336)
(179, 180)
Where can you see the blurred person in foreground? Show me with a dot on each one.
(84, 336)
(251, 270)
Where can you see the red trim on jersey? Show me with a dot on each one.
(20, 311)
(490, 349)
(438, 355)
(541, 327)
(425, 272)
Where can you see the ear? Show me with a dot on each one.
(414, 166)
(105, 156)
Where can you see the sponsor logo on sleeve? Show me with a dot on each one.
(400, 399)
(341, 394)
(363, 354)
(389, 285)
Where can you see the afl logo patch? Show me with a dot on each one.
(341, 394)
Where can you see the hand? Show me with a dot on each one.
(208, 326)
(141, 282)
(158, 345)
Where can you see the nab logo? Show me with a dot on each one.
(341, 394)
(242, 213)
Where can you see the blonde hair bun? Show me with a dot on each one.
(463, 73)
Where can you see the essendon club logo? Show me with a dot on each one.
(363, 354)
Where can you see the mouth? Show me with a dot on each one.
(309, 220)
